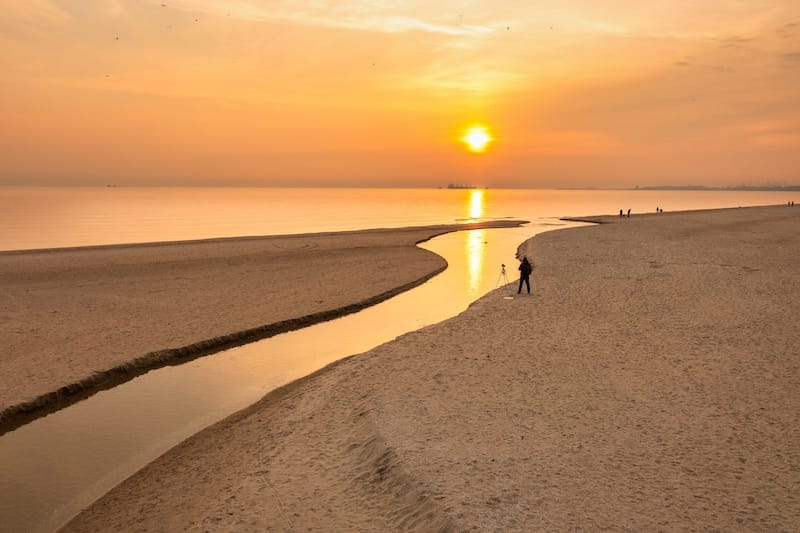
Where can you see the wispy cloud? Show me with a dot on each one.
(388, 17)
(788, 30)
(33, 12)
(476, 79)
(773, 132)
(734, 41)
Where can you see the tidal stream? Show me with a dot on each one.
(57, 465)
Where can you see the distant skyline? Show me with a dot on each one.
(578, 93)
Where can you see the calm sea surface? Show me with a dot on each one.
(46, 217)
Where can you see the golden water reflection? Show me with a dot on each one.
(475, 251)
(475, 242)
(476, 203)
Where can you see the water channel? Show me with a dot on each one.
(57, 465)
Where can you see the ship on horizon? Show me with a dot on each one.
(462, 186)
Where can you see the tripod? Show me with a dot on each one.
(502, 276)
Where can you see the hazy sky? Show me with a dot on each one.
(576, 93)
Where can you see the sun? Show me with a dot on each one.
(477, 138)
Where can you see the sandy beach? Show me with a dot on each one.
(80, 319)
(649, 382)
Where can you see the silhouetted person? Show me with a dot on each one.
(620, 213)
(629, 212)
(525, 270)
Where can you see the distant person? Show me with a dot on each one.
(525, 270)
(620, 213)
(629, 212)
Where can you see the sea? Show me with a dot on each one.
(55, 217)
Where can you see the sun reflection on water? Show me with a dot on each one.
(475, 241)
(475, 247)
(476, 208)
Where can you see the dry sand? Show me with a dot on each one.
(74, 320)
(650, 382)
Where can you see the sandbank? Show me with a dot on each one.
(649, 382)
(77, 320)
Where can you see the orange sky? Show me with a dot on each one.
(597, 93)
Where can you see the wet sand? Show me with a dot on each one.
(649, 382)
(76, 320)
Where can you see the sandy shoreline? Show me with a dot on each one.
(648, 383)
(81, 319)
